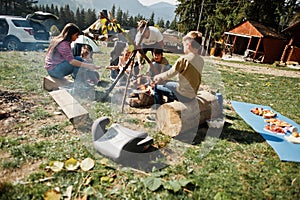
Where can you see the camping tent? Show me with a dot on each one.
(86, 40)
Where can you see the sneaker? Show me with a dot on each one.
(150, 118)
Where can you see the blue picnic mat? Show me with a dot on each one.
(286, 151)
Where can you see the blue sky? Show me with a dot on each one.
(150, 2)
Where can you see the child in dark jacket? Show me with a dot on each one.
(160, 63)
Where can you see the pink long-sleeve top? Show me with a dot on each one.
(63, 53)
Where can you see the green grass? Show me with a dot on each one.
(281, 93)
(240, 166)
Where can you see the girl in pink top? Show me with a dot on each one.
(59, 61)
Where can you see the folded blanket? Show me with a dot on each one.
(287, 151)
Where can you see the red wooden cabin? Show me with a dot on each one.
(255, 41)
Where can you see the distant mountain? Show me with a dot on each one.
(162, 10)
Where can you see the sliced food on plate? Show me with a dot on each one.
(278, 122)
(257, 111)
(269, 114)
(274, 129)
(265, 113)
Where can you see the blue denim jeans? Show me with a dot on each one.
(65, 68)
(168, 90)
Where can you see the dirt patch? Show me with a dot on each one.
(16, 111)
(13, 110)
(259, 69)
(18, 174)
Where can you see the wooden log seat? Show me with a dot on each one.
(176, 117)
(51, 83)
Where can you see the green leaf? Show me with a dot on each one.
(221, 196)
(172, 185)
(184, 182)
(152, 183)
(89, 191)
(104, 161)
(160, 174)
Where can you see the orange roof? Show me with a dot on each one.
(251, 28)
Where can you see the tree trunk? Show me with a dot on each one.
(176, 117)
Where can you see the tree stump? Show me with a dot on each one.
(177, 117)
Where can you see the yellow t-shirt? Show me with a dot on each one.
(189, 70)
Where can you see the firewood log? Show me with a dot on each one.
(176, 117)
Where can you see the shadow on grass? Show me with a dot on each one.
(146, 161)
(235, 135)
(244, 137)
(230, 134)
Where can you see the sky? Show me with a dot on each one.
(150, 2)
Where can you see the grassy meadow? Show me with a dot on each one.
(241, 165)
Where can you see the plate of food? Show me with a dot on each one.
(272, 128)
(278, 122)
(265, 113)
(294, 138)
(269, 114)
(257, 111)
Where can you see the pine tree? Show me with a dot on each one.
(167, 24)
(131, 22)
(90, 17)
(113, 10)
(160, 23)
(79, 16)
(151, 20)
(119, 15)
(267, 12)
(173, 24)
(125, 18)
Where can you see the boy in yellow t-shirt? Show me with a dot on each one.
(188, 68)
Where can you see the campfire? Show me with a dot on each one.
(142, 97)
(146, 89)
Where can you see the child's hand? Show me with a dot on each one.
(152, 84)
(157, 79)
(97, 67)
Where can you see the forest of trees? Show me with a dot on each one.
(83, 18)
(220, 15)
(216, 16)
